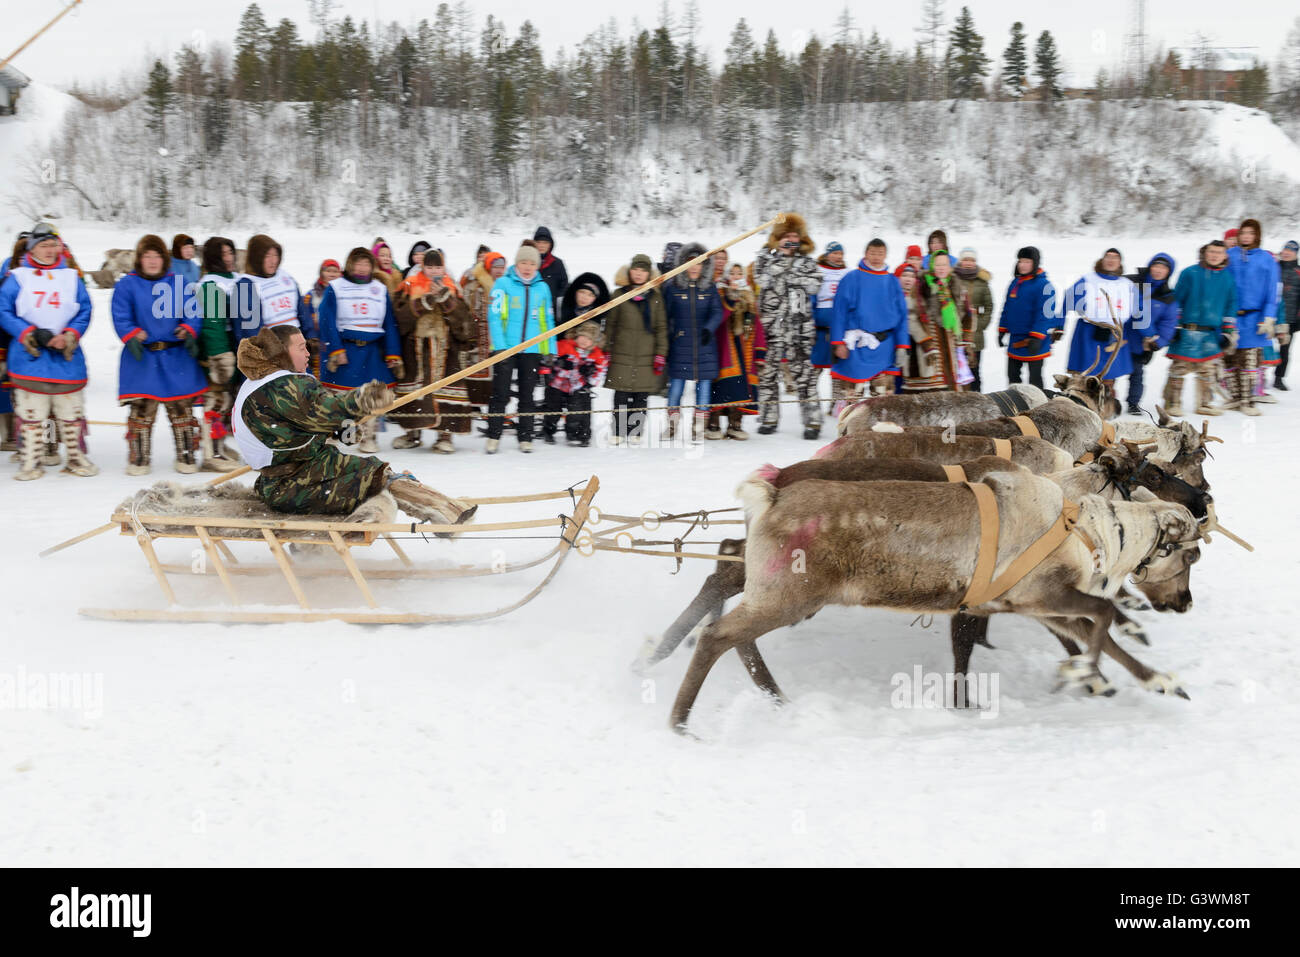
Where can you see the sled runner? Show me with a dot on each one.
(233, 515)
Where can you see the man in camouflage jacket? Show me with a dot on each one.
(283, 419)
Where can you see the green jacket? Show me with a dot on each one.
(636, 332)
(215, 336)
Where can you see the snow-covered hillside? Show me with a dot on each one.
(1081, 167)
(529, 741)
(26, 143)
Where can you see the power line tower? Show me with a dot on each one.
(1135, 45)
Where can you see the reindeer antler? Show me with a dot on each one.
(1117, 330)
(1205, 433)
(1211, 524)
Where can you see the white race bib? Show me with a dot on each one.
(48, 300)
(255, 452)
(361, 308)
(224, 283)
(279, 296)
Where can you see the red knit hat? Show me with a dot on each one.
(913, 251)
(330, 262)
(905, 267)
(1230, 234)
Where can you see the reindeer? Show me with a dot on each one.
(850, 553)
(941, 408)
(1123, 472)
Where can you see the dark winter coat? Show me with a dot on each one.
(1290, 310)
(635, 332)
(552, 270)
(694, 315)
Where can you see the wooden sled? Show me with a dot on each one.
(215, 533)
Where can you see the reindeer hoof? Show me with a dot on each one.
(1132, 603)
(1162, 683)
(1131, 629)
(1079, 671)
(645, 658)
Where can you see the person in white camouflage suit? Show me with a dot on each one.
(788, 279)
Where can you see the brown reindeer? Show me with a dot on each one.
(1119, 472)
(822, 542)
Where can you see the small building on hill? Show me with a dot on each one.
(12, 81)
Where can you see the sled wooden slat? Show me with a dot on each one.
(241, 616)
(146, 546)
(307, 571)
(345, 553)
(511, 499)
(283, 560)
(215, 557)
(80, 538)
(397, 549)
(370, 530)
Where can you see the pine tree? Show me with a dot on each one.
(970, 65)
(162, 195)
(738, 86)
(931, 31)
(157, 99)
(1015, 63)
(505, 130)
(1047, 64)
(250, 62)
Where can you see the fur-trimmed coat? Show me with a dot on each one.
(635, 332)
(436, 328)
(694, 315)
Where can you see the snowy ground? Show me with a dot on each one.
(528, 741)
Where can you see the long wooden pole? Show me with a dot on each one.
(6, 61)
(540, 337)
(577, 320)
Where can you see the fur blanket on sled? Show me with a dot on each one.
(233, 500)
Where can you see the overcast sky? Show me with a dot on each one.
(102, 38)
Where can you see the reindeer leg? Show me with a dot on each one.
(966, 631)
(1090, 621)
(742, 625)
(706, 607)
(757, 669)
(1149, 678)
(1128, 627)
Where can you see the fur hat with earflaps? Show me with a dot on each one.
(591, 330)
(266, 352)
(790, 223)
(258, 247)
(151, 243)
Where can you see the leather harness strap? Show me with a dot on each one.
(1026, 426)
(955, 473)
(1107, 440)
(983, 586)
(1002, 448)
(1008, 402)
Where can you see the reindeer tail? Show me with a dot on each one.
(758, 492)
